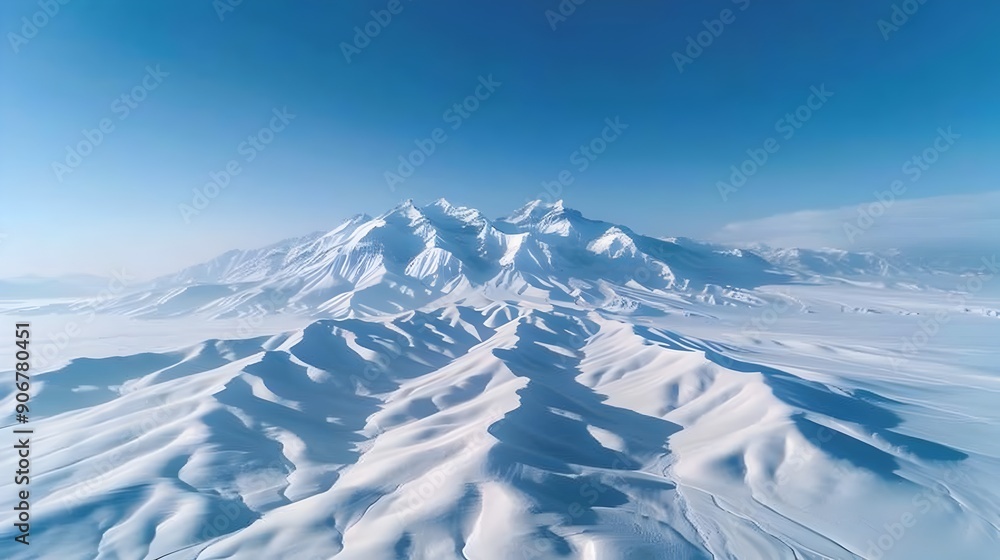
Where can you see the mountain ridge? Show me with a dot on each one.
(415, 256)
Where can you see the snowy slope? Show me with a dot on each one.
(540, 386)
(411, 257)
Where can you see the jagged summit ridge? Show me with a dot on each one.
(413, 255)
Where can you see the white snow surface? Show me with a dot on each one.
(432, 384)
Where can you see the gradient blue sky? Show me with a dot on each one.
(119, 208)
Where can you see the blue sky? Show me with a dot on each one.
(199, 80)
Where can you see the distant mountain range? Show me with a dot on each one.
(533, 387)
(411, 257)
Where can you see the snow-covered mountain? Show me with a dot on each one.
(413, 257)
(410, 257)
(540, 386)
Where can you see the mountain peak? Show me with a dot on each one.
(413, 255)
(534, 211)
(441, 203)
(405, 209)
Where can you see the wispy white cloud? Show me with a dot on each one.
(966, 221)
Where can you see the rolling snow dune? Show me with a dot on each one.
(431, 384)
(546, 434)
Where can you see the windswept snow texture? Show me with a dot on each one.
(542, 386)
